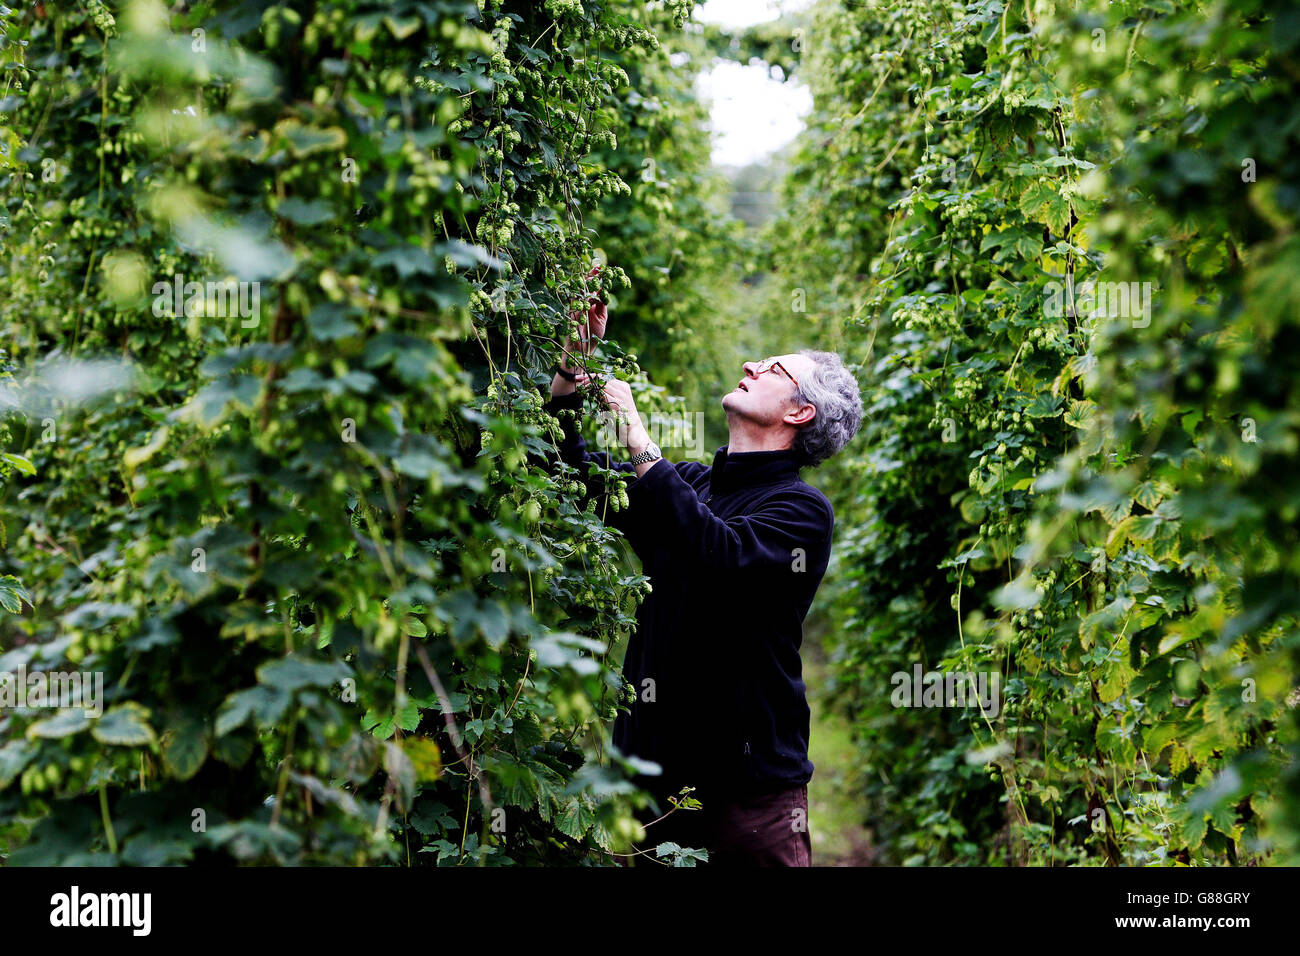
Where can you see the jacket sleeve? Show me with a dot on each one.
(632, 521)
(766, 537)
(573, 447)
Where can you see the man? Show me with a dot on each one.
(734, 553)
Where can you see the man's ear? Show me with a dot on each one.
(802, 416)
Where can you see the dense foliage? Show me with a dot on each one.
(1085, 495)
(346, 606)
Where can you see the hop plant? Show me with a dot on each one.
(102, 17)
(558, 8)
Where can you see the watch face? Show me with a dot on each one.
(654, 450)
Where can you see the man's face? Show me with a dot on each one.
(767, 397)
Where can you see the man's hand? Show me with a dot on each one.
(617, 396)
(590, 330)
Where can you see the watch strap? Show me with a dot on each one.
(645, 456)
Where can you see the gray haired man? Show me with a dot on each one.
(734, 552)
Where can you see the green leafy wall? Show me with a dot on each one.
(346, 605)
(1091, 506)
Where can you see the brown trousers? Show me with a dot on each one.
(753, 831)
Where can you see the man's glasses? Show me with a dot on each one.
(769, 365)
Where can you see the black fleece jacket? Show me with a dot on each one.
(734, 553)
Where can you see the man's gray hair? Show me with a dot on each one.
(834, 391)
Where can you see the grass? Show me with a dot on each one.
(838, 835)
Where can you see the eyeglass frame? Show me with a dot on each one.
(767, 366)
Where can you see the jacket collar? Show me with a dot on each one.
(751, 468)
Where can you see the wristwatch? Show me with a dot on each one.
(651, 453)
(566, 374)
